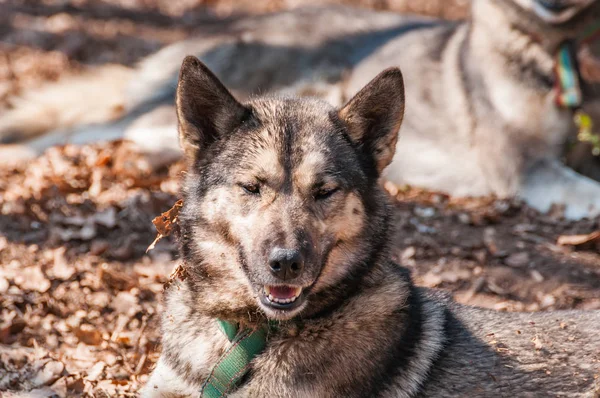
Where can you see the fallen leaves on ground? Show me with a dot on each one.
(165, 223)
(78, 295)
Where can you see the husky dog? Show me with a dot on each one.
(481, 115)
(285, 222)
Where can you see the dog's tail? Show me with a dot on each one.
(95, 96)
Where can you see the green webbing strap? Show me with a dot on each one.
(235, 361)
(230, 329)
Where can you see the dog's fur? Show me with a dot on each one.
(480, 118)
(299, 174)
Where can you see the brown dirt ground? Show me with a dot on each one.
(79, 296)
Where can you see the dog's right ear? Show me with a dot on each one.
(206, 110)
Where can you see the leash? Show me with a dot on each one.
(569, 84)
(233, 365)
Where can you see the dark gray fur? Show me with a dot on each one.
(364, 329)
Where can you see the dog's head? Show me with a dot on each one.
(282, 202)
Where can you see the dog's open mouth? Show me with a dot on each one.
(282, 297)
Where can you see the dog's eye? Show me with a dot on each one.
(325, 193)
(252, 189)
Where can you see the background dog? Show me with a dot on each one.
(481, 113)
(284, 220)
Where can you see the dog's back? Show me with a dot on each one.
(482, 113)
(517, 354)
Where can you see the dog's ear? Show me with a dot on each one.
(374, 115)
(206, 110)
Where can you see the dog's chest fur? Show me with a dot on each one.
(393, 340)
(351, 352)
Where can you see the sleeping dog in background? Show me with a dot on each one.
(286, 229)
(481, 113)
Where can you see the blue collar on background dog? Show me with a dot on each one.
(569, 93)
(568, 77)
(569, 85)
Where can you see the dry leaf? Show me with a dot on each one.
(49, 373)
(61, 269)
(578, 240)
(179, 272)
(165, 222)
(32, 278)
(96, 371)
(88, 334)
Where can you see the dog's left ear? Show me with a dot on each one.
(206, 110)
(374, 115)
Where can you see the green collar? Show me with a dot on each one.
(231, 367)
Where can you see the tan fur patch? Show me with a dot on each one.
(337, 266)
(344, 226)
(266, 163)
(350, 221)
(304, 176)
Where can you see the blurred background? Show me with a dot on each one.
(43, 40)
(79, 295)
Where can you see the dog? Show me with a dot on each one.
(285, 223)
(481, 116)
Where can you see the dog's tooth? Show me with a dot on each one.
(267, 292)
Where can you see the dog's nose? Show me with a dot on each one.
(286, 264)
